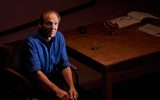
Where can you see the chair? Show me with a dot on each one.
(16, 82)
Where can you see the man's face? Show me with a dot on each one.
(50, 24)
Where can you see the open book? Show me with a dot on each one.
(132, 18)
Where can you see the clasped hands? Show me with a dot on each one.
(63, 95)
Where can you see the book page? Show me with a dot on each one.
(150, 29)
(141, 15)
(125, 21)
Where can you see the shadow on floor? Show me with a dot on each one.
(142, 88)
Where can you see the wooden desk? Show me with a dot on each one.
(128, 53)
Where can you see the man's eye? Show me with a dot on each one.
(48, 23)
(55, 23)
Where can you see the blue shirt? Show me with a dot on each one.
(37, 54)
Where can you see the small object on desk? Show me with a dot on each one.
(93, 48)
(111, 28)
(94, 45)
(82, 29)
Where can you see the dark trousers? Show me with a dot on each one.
(43, 94)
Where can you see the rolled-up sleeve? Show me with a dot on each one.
(33, 58)
(31, 62)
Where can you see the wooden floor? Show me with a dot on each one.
(142, 88)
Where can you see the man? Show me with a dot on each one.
(44, 58)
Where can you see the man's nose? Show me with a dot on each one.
(52, 26)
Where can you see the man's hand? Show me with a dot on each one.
(63, 95)
(73, 94)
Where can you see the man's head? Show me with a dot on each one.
(49, 22)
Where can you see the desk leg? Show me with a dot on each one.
(107, 86)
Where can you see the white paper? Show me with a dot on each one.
(150, 29)
(141, 15)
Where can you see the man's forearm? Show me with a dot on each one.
(51, 86)
(67, 73)
(43, 79)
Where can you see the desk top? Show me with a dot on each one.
(127, 43)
